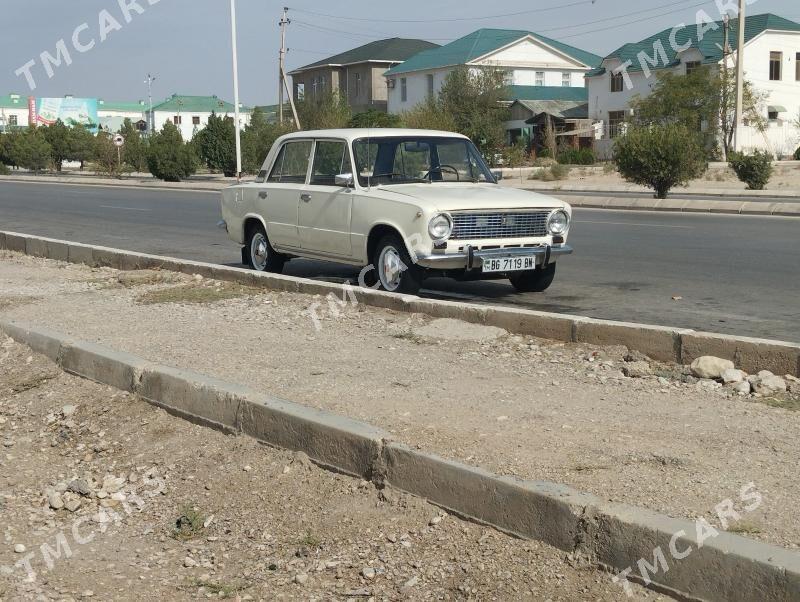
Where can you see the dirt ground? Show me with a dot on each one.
(536, 409)
(106, 497)
(785, 178)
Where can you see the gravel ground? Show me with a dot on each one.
(532, 408)
(145, 506)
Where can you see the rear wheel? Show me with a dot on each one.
(534, 281)
(395, 271)
(259, 252)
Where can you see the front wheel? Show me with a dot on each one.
(393, 266)
(534, 281)
(259, 252)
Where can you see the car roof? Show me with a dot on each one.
(351, 134)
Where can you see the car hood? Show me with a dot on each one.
(457, 196)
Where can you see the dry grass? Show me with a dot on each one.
(204, 293)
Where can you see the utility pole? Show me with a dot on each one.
(726, 49)
(283, 82)
(281, 61)
(236, 93)
(739, 78)
(151, 119)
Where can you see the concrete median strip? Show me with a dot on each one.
(659, 342)
(724, 567)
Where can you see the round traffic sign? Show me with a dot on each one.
(119, 140)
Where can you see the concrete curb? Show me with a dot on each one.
(726, 567)
(658, 342)
(138, 183)
(787, 209)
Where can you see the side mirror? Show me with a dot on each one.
(345, 180)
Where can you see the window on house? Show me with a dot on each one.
(772, 115)
(196, 120)
(539, 79)
(692, 66)
(322, 83)
(358, 85)
(617, 82)
(429, 79)
(775, 63)
(12, 120)
(615, 121)
(177, 120)
(300, 91)
(797, 66)
(566, 80)
(403, 89)
(508, 77)
(291, 165)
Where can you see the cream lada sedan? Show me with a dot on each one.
(403, 204)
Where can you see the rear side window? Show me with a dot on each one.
(330, 160)
(291, 166)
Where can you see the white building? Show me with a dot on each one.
(14, 112)
(771, 65)
(528, 58)
(191, 113)
(112, 115)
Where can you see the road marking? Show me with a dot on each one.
(123, 208)
(587, 221)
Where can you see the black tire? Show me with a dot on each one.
(534, 281)
(266, 259)
(409, 277)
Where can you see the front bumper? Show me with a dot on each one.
(473, 259)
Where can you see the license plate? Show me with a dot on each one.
(514, 263)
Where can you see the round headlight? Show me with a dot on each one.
(558, 222)
(440, 226)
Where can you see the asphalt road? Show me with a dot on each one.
(675, 194)
(733, 274)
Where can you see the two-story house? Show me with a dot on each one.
(529, 59)
(771, 65)
(357, 74)
(191, 113)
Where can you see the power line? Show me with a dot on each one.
(447, 20)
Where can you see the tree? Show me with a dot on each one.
(81, 145)
(474, 99)
(58, 136)
(374, 119)
(429, 115)
(327, 111)
(258, 138)
(30, 150)
(703, 101)
(660, 156)
(134, 152)
(107, 155)
(169, 158)
(216, 145)
(5, 148)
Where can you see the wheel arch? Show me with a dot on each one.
(250, 219)
(378, 231)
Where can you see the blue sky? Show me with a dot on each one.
(186, 43)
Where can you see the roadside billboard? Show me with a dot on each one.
(71, 111)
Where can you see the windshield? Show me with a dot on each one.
(404, 159)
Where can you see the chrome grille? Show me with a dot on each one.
(526, 224)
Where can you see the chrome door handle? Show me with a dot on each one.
(262, 194)
(305, 198)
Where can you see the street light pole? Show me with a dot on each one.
(151, 119)
(739, 79)
(236, 92)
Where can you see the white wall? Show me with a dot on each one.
(187, 128)
(20, 113)
(786, 92)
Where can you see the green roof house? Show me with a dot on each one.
(13, 111)
(531, 61)
(191, 113)
(356, 73)
(771, 65)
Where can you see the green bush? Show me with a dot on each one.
(216, 145)
(660, 156)
(374, 119)
(754, 170)
(4, 170)
(29, 149)
(577, 156)
(560, 172)
(797, 154)
(169, 159)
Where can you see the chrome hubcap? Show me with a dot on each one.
(259, 251)
(390, 268)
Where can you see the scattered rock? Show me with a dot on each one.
(637, 369)
(112, 484)
(189, 562)
(19, 548)
(368, 573)
(769, 385)
(55, 501)
(742, 388)
(301, 579)
(411, 583)
(80, 486)
(709, 366)
(68, 411)
(72, 504)
(732, 375)
(435, 521)
(635, 356)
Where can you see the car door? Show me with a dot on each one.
(325, 209)
(277, 199)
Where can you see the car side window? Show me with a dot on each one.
(291, 166)
(330, 160)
